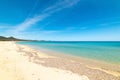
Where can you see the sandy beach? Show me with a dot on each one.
(14, 65)
(19, 62)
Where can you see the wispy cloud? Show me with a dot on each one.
(29, 22)
(110, 23)
(58, 6)
(2, 26)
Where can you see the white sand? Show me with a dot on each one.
(15, 66)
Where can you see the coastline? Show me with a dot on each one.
(101, 51)
(95, 70)
(32, 64)
(15, 64)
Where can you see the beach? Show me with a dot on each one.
(20, 62)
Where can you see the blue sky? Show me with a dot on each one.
(61, 20)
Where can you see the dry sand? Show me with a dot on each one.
(19, 63)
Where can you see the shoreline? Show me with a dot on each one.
(53, 52)
(15, 64)
(103, 68)
(21, 62)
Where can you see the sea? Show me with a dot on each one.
(97, 50)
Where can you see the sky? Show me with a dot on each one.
(61, 20)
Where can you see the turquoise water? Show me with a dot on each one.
(103, 51)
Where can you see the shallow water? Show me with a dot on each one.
(103, 51)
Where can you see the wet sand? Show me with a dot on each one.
(19, 62)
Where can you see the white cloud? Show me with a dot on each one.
(6, 27)
(61, 4)
(29, 22)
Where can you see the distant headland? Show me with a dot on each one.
(2, 38)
